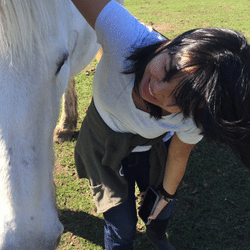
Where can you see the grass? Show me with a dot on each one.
(173, 17)
(213, 211)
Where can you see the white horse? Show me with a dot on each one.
(43, 44)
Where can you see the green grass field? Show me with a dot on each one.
(213, 211)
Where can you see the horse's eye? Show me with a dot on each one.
(61, 63)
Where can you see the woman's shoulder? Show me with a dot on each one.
(118, 30)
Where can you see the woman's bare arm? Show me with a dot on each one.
(90, 9)
(178, 154)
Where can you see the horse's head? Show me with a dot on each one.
(42, 45)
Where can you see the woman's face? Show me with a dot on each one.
(152, 87)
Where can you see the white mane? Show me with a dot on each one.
(23, 23)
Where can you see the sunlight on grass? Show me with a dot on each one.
(182, 15)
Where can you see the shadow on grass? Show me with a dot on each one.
(90, 227)
(212, 213)
(83, 225)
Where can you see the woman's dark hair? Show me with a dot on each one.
(215, 88)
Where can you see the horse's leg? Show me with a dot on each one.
(99, 54)
(64, 131)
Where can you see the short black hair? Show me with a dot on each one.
(215, 88)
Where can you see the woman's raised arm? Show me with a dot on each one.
(90, 9)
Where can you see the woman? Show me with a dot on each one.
(147, 90)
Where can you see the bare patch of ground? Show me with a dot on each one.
(161, 27)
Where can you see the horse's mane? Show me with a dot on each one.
(24, 23)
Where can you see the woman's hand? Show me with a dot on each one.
(161, 204)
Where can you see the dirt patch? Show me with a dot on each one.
(62, 169)
(58, 169)
(226, 8)
(161, 28)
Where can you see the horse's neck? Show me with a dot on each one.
(22, 20)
